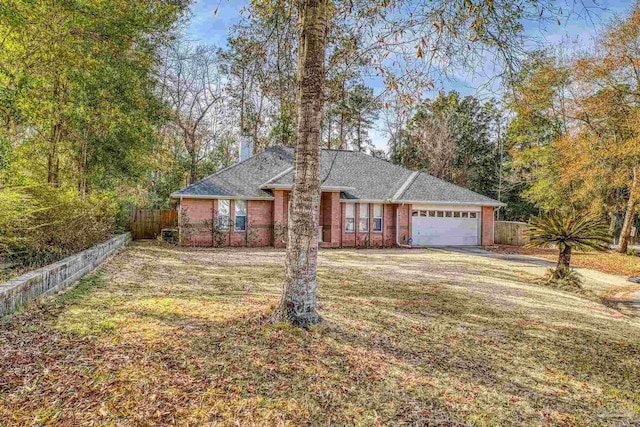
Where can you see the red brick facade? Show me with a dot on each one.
(267, 220)
(487, 226)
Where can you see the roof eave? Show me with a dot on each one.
(215, 196)
(424, 202)
(290, 186)
(494, 203)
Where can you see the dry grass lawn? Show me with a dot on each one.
(165, 336)
(611, 262)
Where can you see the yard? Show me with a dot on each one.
(611, 262)
(419, 337)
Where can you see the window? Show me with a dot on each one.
(465, 214)
(377, 217)
(456, 214)
(241, 215)
(349, 218)
(415, 213)
(472, 214)
(363, 223)
(448, 214)
(223, 215)
(440, 214)
(432, 214)
(423, 213)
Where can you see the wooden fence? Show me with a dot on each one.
(147, 224)
(510, 233)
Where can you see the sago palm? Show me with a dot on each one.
(568, 230)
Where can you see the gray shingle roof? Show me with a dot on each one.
(366, 177)
(428, 187)
(358, 175)
(243, 180)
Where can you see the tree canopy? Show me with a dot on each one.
(109, 104)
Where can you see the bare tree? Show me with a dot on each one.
(192, 88)
(437, 145)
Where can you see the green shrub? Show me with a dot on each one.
(123, 214)
(40, 224)
(568, 230)
(632, 252)
(568, 280)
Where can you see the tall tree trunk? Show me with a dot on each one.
(83, 157)
(630, 213)
(256, 124)
(193, 167)
(329, 122)
(53, 160)
(342, 144)
(342, 118)
(242, 102)
(281, 99)
(298, 303)
(612, 222)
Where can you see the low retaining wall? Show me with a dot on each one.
(57, 276)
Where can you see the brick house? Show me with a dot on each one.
(365, 202)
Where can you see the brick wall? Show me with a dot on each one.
(386, 238)
(336, 220)
(389, 225)
(376, 238)
(487, 226)
(280, 217)
(263, 214)
(404, 221)
(325, 217)
(199, 216)
(196, 218)
(260, 222)
(347, 239)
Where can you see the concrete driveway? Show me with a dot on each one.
(615, 289)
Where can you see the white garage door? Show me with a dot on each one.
(445, 228)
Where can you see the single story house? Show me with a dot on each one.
(365, 202)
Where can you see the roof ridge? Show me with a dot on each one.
(405, 185)
(280, 175)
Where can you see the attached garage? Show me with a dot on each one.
(446, 225)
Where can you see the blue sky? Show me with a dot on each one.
(211, 21)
